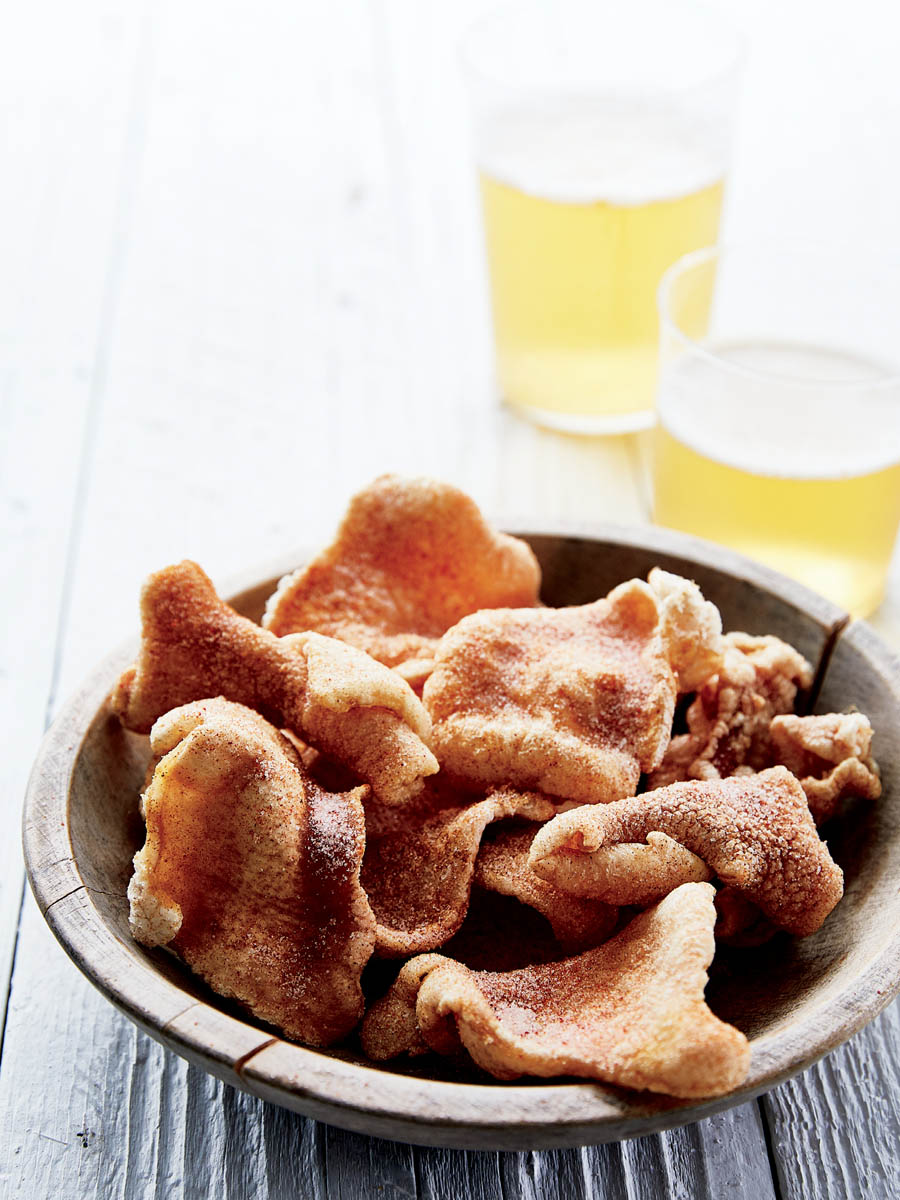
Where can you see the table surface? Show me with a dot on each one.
(241, 276)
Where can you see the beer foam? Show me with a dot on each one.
(840, 422)
(572, 155)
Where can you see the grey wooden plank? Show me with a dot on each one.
(295, 1155)
(362, 1166)
(123, 1119)
(55, 239)
(652, 1168)
(605, 1172)
(723, 1155)
(836, 1128)
(186, 1119)
(442, 1174)
(542, 1175)
(590, 1173)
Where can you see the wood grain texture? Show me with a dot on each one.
(822, 1127)
(251, 253)
(56, 239)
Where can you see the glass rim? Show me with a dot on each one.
(696, 258)
(731, 67)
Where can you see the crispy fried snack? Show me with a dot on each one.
(329, 694)
(630, 1012)
(628, 873)
(575, 702)
(831, 755)
(754, 831)
(389, 1028)
(502, 866)
(691, 629)
(251, 873)
(411, 557)
(728, 723)
(420, 863)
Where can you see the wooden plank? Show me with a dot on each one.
(217, 333)
(724, 1155)
(126, 1119)
(216, 354)
(836, 1128)
(543, 1175)
(295, 1155)
(441, 1173)
(63, 130)
(356, 1165)
(592, 1173)
(217, 285)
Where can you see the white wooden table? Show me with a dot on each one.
(240, 275)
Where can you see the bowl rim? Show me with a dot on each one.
(372, 1099)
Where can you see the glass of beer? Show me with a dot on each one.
(602, 133)
(779, 411)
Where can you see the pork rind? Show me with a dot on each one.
(575, 702)
(502, 866)
(250, 872)
(630, 1012)
(629, 873)
(420, 863)
(754, 831)
(728, 723)
(411, 557)
(329, 694)
(831, 755)
(390, 1028)
(690, 627)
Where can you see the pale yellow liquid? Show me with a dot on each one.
(832, 529)
(574, 299)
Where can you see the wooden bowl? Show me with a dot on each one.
(795, 999)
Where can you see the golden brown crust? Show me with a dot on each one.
(728, 723)
(831, 755)
(410, 559)
(502, 866)
(630, 1012)
(574, 702)
(420, 863)
(251, 872)
(690, 627)
(629, 873)
(389, 1027)
(754, 831)
(195, 646)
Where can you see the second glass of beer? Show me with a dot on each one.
(602, 135)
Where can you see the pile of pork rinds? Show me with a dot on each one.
(413, 759)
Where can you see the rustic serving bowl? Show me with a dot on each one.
(796, 999)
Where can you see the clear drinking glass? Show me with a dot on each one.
(779, 410)
(602, 132)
